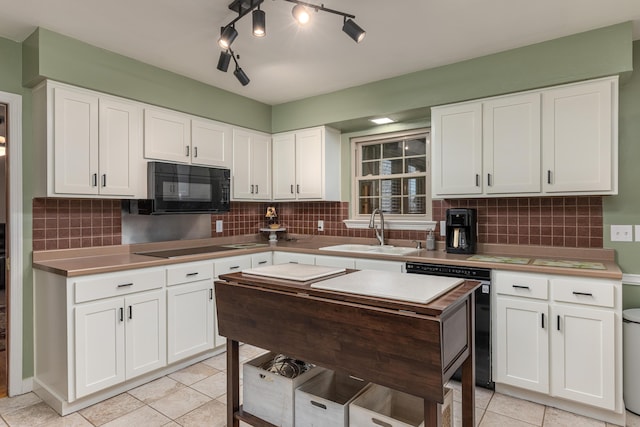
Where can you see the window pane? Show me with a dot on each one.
(367, 205)
(414, 205)
(392, 149)
(369, 188)
(391, 205)
(391, 187)
(415, 147)
(416, 164)
(370, 152)
(414, 186)
(370, 168)
(389, 167)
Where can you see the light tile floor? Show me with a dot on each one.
(195, 396)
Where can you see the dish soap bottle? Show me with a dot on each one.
(431, 241)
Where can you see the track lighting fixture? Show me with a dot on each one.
(301, 13)
(259, 23)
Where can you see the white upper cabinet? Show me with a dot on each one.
(580, 138)
(557, 141)
(511, 144)
(251, 165)
(211, 143)
(306, 165)
(167, 135)
(457, 149)
(89, 144)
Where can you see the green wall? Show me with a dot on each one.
(57, 57)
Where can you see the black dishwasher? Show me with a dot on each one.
(483, 311)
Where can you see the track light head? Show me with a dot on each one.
(353, 30)
(224, 60)
(241, 76)
(227, 37)
(300, 14)
(259, 23)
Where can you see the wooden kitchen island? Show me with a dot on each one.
(411, 347)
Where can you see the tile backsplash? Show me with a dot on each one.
(544, 221)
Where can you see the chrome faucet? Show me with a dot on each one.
(372, 224)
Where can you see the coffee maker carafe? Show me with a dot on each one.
(461, 231)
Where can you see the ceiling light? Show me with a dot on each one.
(241, 76)
(300, 14)
(353, 30)
(382, 121)
(259, 23)
(223, 61)
(227, 37)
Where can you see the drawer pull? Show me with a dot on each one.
(192, 274)
(586, 294)
(293, 262)
(318, 404)
(520, 286)
(124, 285)
(262, 262)
(542, 318)
(380, 422)
(234, 267)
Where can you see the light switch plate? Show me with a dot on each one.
(218, 226)
(622, 233)
(443, 228)
(637, 233)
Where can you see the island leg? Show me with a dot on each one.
(469, 370)
(233, 382)
(432, 413)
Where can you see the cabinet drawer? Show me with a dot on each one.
(120, 283)
(583, 291)
(189, 272)
(260, 260)
(231, 265)
(522, 285)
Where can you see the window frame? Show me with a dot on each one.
(413, 221)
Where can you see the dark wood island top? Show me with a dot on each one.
(411, 347)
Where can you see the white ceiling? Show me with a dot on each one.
(291, 63)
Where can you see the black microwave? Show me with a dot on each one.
(174, 188)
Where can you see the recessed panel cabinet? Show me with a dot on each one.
(251, 165)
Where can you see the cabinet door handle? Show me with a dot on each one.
(477, 180)
(234, 267)
(195, 151)
(520, 286)
(130, 312)
(187, 151)
(586, 294)
(124, 285)
(291, 188)
(121, 314)
(489, 179)
(104, 179)
(257, 189)
(298, 188)
(380, 422)
(192, 274)
(94, 180)
(211, 294)
(251, 188)
(548, 176)
(542, 319)
(558, 322)
(293, 262)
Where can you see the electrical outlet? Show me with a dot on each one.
(218, 226)
(320, 225)
(443, 228)
(621, 233)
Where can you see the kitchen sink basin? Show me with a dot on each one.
(370, 249)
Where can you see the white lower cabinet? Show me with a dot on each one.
(560, 336)
(293, 258)
(335, 261)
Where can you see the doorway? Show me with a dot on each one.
(3, 222)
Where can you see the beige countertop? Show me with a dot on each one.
(80, 262)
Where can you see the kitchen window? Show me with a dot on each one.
(392, 173)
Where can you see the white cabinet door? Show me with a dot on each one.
(284, 166)
(99, 345)
(261, 165)
(120, 140)
(75, 123)
(189, 319)
(167, 136)
(211, 143)
(146, 332)
(310, 159)
(522, 357)
(376, 264)
(579, 139)
(583, 362)
(251, 166)
(511, 144)
(457, 149)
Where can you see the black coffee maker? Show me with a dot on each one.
(461, 231)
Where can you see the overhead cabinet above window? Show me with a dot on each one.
(557, 141)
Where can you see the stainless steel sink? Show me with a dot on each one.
(370, 249)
